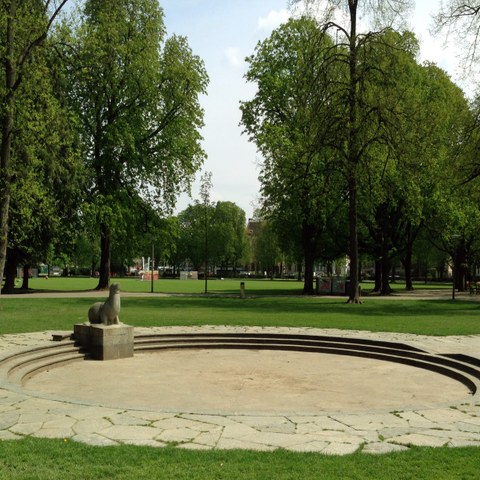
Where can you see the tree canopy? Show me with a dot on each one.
(24, 27)
(136, 93)
(291, 121)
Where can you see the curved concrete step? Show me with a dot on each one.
(19, 367)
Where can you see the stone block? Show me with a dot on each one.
(81, 334)
(105, 342)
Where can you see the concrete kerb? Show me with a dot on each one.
(331, 432)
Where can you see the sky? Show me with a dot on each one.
(223, 33)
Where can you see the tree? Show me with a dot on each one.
(228, 236)
(46, 166)
(191, 244)
(205, 188)
(354, 140)
(137, 96)
(24, 27)
(266, 251)
(290, 120)
(423, 114)
(219, 228)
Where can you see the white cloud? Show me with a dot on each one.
(234, 57)
(273, 19)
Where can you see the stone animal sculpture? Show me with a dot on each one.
(107, 312)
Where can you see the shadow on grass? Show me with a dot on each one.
(308, 305)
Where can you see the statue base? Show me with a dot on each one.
(105, 342)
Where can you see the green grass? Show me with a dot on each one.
(55, 459)
(226, 286)
(428, 317)
(43, 459)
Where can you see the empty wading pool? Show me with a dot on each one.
(247, 372)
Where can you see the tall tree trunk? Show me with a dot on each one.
(378, 275)
(407, 265)
(26, 277)
(386, 268)
(4, 212)
(308, 243)
(105, 257)
(352, 156)
(461, 267)
(10, 271)
(7, 128)
(308, 286)
(354, 293)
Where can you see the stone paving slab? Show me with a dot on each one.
(331, 433)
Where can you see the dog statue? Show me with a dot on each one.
(107, 312)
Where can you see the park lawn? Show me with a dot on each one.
(428, 317)
(216, 286)
(191, 287)
(42, 459)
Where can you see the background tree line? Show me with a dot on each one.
(367, 153)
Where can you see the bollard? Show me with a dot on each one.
(242, 289)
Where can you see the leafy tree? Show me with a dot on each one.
(290, 120)
(359, 129)
(225, 222)
(24, 27)
(191, 244)
(438, 114)
(137, 96)
(228, 236)
(266, 250)
(423, 113)
(205, 189)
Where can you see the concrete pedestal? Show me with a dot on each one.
(105, 342)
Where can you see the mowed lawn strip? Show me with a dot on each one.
(225, 286)
(54, 459)
(427, 317)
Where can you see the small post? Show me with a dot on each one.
(242, 289)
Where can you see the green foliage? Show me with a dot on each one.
(290, 119)
(265, 249)
(191, 243)
(45, 163)
(44, 166)
(226, 239)
(404, 180)
(136, 93)
(227, 235)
